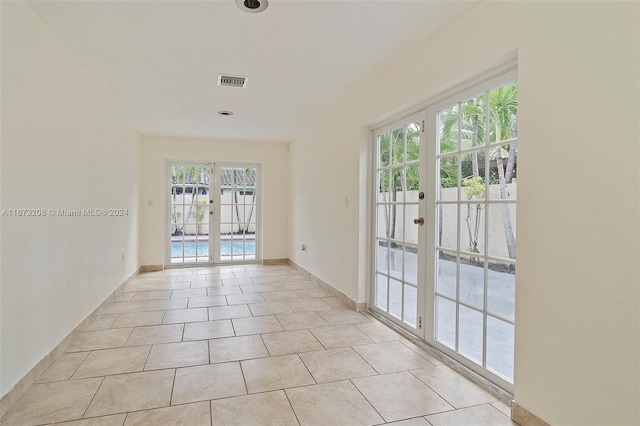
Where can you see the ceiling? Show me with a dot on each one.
(159, 60)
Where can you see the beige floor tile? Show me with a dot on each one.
(299, 320)
(398, 396)
(138, 319)
(279, 372)
(422, 352)
(157, 285)
(336, 364)
(308, 305)
(208, 382)
(197, 414)
(343, 317)
(125, 307)
(163, 305)
(132, 392)
(192, 292)
(123, 297)
(102, 322)
(340, 336)
(237, 349)
(207, 301)
(287, 286)
(183, 354)
(387, 357)
(457, 390)
(52, 402)
(281, 296)
(504, 408)
(337, 403)
(152, 295)
(312, 293)
(291, 342)
(220, 276)
(268, 279)
(264, 409)
(63, 367)
(156, 334)
(209, 283)
(208, 330)
(482, 415)
(115, 420)
(233, 282)
(100, 339)
(238, 299)
(113, 361)
(222, 291)
(185, 315)
(256, 325)
(272, 308)
(229, 312)
(256, 288)
(378, 332)
(334, 302)
(416, 421)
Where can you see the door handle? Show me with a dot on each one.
(419, 221)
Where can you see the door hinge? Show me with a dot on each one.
(422, 126)
(420, 322)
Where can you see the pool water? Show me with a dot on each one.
(239, 247)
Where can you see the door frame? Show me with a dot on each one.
(506, 69)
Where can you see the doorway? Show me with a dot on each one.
(213, 213)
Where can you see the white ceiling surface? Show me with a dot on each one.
(159, 60)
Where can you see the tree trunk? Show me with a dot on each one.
(474, 142)
(506, 218)
(511, 161)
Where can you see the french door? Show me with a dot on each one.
(213, 213)
(399, 223)
(445, 225)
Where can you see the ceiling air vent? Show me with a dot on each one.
(232, 81)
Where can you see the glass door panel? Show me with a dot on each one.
(189, 213)
(237, 233)
(397, 237)
(474, 289)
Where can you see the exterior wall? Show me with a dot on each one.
(64, 146)
(155, 151)
(577, 311)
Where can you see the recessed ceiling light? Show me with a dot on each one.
(227, 113)
(252, 6)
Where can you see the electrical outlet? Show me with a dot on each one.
(304, 247)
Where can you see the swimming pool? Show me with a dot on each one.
(239, 247)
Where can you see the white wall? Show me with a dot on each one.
(64, 145)
(156, 150)
(577, 302)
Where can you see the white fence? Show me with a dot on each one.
(497, 243)
(236, 212)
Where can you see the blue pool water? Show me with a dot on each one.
(248, 247)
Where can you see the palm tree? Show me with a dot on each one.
(504, 109)
(467, 123)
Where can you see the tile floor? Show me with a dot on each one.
(246, 345)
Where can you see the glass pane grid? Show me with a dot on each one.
(473, 160)
(397, 175)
